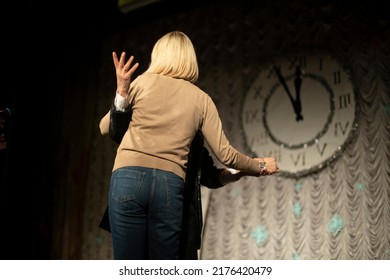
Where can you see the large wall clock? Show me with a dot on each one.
(301, 109)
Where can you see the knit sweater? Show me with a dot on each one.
(166, 114)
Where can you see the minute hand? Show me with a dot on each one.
(284, 84)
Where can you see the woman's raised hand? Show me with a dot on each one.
(124, 70)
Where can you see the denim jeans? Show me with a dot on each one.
(145, 210)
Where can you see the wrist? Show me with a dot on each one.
(262, 165)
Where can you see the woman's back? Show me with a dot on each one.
(166, 114)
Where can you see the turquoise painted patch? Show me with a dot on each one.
(360, 186)
(260, 235)
(296, 256)
(298, 187)
(297, 209)
(335, 225)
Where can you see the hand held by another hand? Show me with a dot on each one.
(270, 166)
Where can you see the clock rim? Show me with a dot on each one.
(354, 125)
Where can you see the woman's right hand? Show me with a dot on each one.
(270, 167)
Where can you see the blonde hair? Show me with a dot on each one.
(174, 55)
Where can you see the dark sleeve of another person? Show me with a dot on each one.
(209, 172)
(119, 123)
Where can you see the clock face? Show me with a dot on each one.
(301, 110)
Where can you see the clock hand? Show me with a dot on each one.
(284, 84)
(298, 83)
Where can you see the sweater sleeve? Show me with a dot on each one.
(219, 144)
(104, 124)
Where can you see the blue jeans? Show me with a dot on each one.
(145, 210)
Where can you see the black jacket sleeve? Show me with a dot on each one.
(209, 172)
(119, 123)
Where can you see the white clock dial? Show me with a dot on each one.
(300, 109)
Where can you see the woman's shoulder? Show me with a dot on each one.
(180, 85)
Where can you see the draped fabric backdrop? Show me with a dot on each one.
(341, 212)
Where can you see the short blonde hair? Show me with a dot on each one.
(174, 55)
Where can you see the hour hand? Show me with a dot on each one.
(297, 84)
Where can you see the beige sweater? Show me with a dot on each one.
(167, 113)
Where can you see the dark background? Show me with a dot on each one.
(48, 48)
(50, 53)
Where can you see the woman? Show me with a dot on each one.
(201, 170)
(147, 182)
